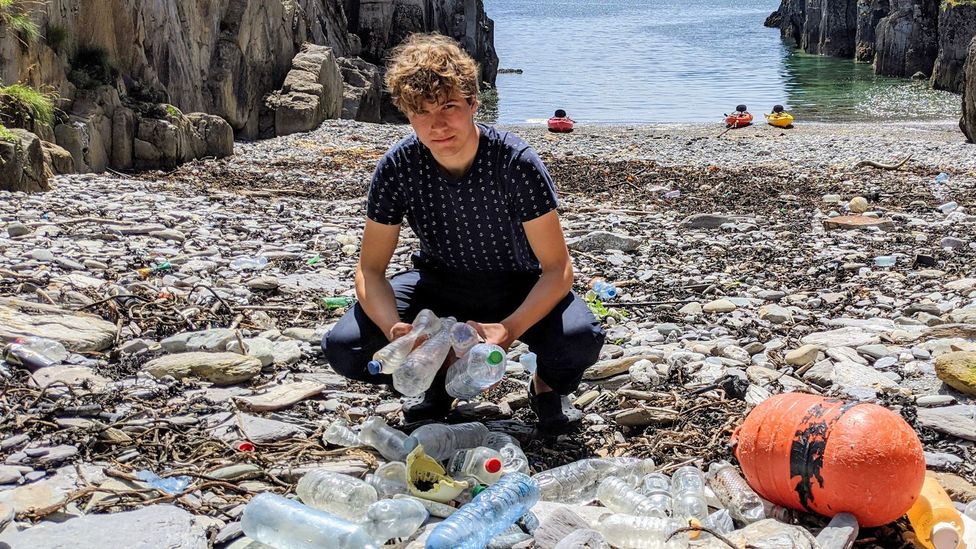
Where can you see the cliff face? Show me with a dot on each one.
(907, 38)
(829, 27)
(957, 27)
(967, 123)
(869, 14)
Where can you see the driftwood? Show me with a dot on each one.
(879, 165)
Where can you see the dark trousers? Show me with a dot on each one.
(566, 341)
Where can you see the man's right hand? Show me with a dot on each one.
(399, 330)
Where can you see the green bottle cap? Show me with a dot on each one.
(495, 357)
(478, 488)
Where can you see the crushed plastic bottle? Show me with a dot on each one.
(463, 338)
(688, 494)
(418, 371)
(948, 207)
(619, 496)
(672, 194)
(385, 439)
(390, 357)
(342, 495)
(735, 493)
(529, 362)
(576, 483)
(481, 463)
(170, 485)
(603, 289)
(885, 261)
(286, 524)
(720, 521)
(339, 434)
(394, 518)
(513, 458)
(490, 513)
(634, 532)
(442, 441)
(942, 178)
(247, 263)
(469, 376)
(35, 353)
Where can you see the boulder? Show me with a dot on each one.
(362, 89)
(214, 135)
(78, 332)
(312, 92)
(907, 38)
(22, 163)
(957, 27)
(958, 370)
(57, 158)
(218, 368)
(967, 123)
(124, 124)
(73, 137)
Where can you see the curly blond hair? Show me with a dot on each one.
(429, 68)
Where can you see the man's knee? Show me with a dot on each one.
(345, 356)
(563, 360)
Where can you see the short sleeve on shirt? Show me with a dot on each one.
(385, 203)
(533, 190)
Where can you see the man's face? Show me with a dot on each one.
(447, 128)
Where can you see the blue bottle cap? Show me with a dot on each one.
(374, 367)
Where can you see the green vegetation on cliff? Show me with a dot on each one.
(20, 104)
(16, 15)
(7, 135)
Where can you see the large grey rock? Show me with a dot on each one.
(312, 92)
(78, 332)
(22, 163)
(601, 241)
(362, 89)
(212, 340)
(907, 38)
(958, 370)
(957, 27)
(958, 420)
(967, 122)
(218, 368)
(214, 135)
(150, 527)
(869, 14)
(850, 336)
(57, 159)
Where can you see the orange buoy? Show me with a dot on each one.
(828, 456)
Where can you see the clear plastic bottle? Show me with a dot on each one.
(481, 463)
(735, 493)
(390, 357)
(948, 207)
(385, 439)
(529, 362)
(435, 508)
(633, 532)
(934, 518)
(657, 488)
(286, 524)
(971, 510)
(619, 496)
(393, 470)
(942, 178)
(463, 338)
(442, 441)
(246, 263)
(490, 513)
(688, 494)
(513, 458)
(418, 371)
(394, 518)
(719, 521)
(386, 488)
(885, 261)
(342, 495)
(604, 290)
(339, 434)
(576, 483)
(778, 512)
(840, 533)
(35, 353)
(482, 367)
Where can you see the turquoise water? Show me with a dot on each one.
(649, 61)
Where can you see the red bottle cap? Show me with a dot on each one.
(493, 465)
(244, 446)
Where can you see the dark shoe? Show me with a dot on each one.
(434, 404)
(555, 412)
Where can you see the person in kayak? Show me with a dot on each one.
(560, 122)
(492, 251)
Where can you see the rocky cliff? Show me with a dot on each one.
(957, 27)
(967, 123)
(226, 58)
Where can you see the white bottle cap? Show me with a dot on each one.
(945, 536)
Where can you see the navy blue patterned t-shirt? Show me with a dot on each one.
(473, 223)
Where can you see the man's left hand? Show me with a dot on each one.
(494, 333)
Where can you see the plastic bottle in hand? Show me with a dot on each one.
(418, 371)
(394, 518)
(286, 524)
(342, 495)
(576, 483)
(481, 463)
(934, 518)
(621, 497)
(688, 494)
(390, 357)
(442, 441)
(463, 338)
(513, 458)
(482, 367)
(490, 513)
(735, 493)
(385, 439)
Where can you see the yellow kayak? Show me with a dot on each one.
(780, 119)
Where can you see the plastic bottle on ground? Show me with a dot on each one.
(436, 509)
(942, 178)
(576, 483)
(386, 488)
(634, 532)
(390, 357)
(481, 463)
(441, 441)
(418, 371)
(170, 485)
(342, 495)
(385, 439)
(621, 497)
(393, 470)
(286, 524)
(719, 521)
(394, 518)
(604, 290)
(840, 533)
(246, 263)
(688, 494)
(885, 261)
(934, 518)
(339, 434)
(735, 493)
(778, 512)
(482, 367)
(490, 513)
(463, 338)
(657, 488)
(513, 458)
(948, 207)
(35, 353)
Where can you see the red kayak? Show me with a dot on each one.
(738, 120)
(561, 124)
